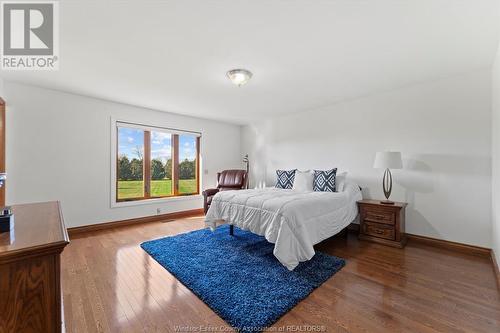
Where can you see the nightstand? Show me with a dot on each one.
(382, 223)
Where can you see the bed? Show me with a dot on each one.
(293, 221)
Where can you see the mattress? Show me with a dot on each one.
(293, 221)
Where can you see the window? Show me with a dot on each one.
(155, 162)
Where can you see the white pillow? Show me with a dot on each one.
(340, 179)
(303, 181)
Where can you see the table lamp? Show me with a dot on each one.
(388, 160)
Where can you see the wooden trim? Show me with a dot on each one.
(117, 174)
(175, 164)
(58, 306)
(146, 219)
(441, 243)
(455, 246)
(197, 174)
(496, 269)
(33, 252)
(146, 164)
(2, 149)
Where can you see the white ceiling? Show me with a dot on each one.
(173, 55)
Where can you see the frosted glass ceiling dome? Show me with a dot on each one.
(239, 76)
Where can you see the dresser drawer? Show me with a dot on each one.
(379, 216)
(379, 230)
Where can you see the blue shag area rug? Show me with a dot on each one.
(238, 276)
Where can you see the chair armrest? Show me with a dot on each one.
(209, 192)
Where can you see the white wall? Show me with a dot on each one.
(58, 148)
(496, 157)
(442, 128)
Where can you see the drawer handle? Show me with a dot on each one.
(380, 232)
(379, 217)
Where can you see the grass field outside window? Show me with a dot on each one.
(128, 189)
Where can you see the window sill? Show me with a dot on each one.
(194, 197)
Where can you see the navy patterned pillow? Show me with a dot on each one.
(324, 181)
(285, 178)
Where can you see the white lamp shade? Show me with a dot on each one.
(388, 160)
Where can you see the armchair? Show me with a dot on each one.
(226, 180)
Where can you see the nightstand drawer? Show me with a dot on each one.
(379, 216)
(379, 230)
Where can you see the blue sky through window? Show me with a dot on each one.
(130, 141)
(161, 146)
(187, 147)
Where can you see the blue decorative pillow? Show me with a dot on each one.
(324, 181)
(285, 178)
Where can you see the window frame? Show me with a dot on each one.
(147, 198)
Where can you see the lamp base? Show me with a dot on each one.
(387, 202)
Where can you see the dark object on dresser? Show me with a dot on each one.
(226, 180)
(6, 220)
(382, 223)
(30, 284)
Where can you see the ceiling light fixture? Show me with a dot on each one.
(239, 76)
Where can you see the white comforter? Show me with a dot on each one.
(293, 221)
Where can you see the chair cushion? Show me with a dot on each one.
(232, 179)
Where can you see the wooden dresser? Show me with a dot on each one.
(382, 223)
(30, 283)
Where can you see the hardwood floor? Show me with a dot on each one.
(111, 285)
